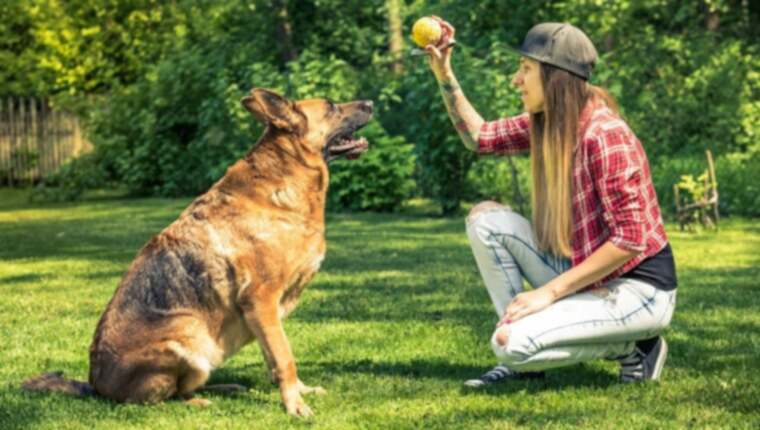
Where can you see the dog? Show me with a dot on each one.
(229, 269)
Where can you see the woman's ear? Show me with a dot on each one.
(273, 109)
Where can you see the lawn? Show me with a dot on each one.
(392, 324)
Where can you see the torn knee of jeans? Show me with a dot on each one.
(501, 337)
(482, 207)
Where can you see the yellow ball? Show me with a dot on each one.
(426, 31)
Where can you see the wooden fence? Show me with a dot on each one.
(35, 140)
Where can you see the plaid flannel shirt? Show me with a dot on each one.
(613, 198)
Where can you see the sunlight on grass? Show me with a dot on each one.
(393, 323)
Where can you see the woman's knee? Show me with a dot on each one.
(501, 336)
(488, 218)
(510, 347)
(483, 207)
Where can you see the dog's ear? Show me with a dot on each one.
(273, 109)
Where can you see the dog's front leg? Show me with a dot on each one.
(263, 320)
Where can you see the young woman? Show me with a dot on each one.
(596, 253)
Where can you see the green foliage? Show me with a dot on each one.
(19, 75)
(667, 172)
(177, 130)
(694, 187)
(739, 192)
(78, 175)
(381, 179)
(490, 178)
(695, 193)
(685, 74)
(684, 88)
(738, 186)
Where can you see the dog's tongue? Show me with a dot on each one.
(351, 148)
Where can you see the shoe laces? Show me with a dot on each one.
(497, 373)
(632, 366)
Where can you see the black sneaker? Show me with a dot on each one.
(645, 362)
(498, 374)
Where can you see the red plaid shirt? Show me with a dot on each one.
(613, 199)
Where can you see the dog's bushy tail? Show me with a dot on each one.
(54, 381)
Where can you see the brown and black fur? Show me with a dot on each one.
(228, 270)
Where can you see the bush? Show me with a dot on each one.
(176, 131)
(186, 126)
(490, 178)
(738, 186)
(380, 180)
(73, 179)
(736, 175)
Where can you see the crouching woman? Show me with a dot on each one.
(596, 252)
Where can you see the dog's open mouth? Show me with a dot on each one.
(345, 144)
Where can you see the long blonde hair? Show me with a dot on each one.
(553, 135)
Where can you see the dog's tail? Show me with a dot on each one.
(54, 381)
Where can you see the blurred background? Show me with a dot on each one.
(142, 96)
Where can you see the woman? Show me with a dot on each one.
(596, 252)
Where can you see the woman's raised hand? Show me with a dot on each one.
(439, 55)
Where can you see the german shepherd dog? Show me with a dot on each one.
(229, 269)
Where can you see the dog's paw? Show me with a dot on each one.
(298, 408)
(305, 389)
(198, 402)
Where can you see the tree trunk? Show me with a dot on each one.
(284, 31)
(395, 36)
(712, 20)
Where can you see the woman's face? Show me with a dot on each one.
(527, 79)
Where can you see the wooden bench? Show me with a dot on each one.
(704, 210)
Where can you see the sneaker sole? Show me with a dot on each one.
(660, 362)
(474, 383)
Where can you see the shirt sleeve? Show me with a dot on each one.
(505, 136)
(617, 167)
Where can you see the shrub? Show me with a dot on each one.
(738, 186)
(175, 132)
(380, 180)
(73, 179)
(490, 178)
(739, 192)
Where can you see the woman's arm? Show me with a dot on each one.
(464, 117)
(605, 260)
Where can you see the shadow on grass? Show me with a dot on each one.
(578, 376)
(18, 412)
(20, 279)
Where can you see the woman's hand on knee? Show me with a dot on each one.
(527, 303)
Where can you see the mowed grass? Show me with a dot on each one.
(391, 326)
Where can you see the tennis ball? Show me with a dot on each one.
(426, 31)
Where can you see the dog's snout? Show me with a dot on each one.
(366, 106)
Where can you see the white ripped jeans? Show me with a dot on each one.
(602, 323)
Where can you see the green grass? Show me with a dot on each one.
(392, 324)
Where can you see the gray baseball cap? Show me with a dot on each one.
(562, 45)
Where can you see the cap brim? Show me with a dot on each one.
(523, 53)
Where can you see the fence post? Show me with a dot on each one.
(35, 139)
(3, 138)
(12, 140)
(22, 153)
(35, 143)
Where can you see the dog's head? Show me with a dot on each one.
(319, 124)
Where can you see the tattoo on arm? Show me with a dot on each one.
(454, 99)
(448, 87)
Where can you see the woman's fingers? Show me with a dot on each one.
(433, 52)
(447, 31)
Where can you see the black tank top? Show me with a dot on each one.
(658, 270)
